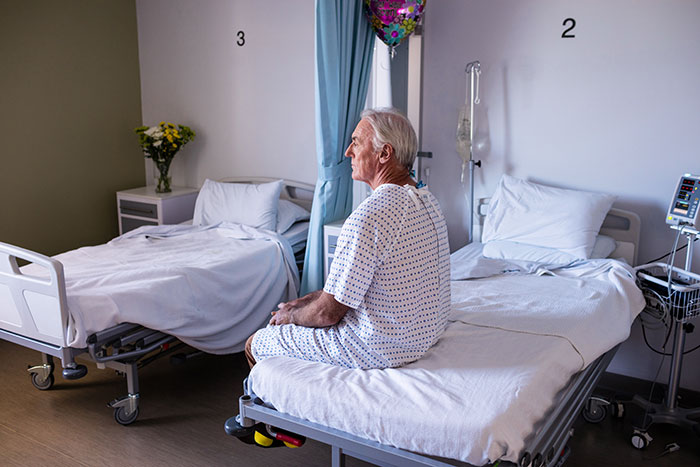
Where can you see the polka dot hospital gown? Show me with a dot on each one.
(392, 268)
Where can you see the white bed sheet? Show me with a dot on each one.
(211, 287)
(296, 235)
(513, 342)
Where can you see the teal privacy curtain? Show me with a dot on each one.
(344, 44)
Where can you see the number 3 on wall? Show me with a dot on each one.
(567, 32)
(241, 38)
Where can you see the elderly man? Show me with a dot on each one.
(387, 297)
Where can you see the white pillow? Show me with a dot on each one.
(526, 212)
(244, 203)
(503, 249)
(603, 247)
(288, 214)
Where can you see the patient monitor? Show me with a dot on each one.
(684, 206)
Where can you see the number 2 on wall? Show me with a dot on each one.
(567, 32)
(241, 38)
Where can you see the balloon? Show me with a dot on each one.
(394, 20)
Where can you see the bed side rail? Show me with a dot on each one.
(32, 306)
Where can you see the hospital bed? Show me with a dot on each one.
(517, 364)
(153, 292)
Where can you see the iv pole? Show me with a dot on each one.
(473, 69)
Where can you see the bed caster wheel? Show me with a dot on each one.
(76, 372)
(42, 384)
(617, 409)
(640, 439)
(594, 411)
(42, 376)
(126, 409)
(233, 428)
(122, 418)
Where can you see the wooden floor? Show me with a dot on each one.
(183, 409)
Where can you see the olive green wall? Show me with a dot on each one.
(69, 101)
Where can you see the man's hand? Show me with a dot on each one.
(301, 301)
(282, 316)
(317, 309)
(285, 309)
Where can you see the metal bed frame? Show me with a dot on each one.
(41, 315)
(546, 446)
(124, 348)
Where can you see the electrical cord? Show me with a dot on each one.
(651, 391)
(655, 313)
(668, 332)
(675, 251)
(663, 346)
(692, 350)
(669, 448)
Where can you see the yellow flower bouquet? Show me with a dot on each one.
(161, 143)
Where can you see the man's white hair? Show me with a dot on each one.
(392, 127)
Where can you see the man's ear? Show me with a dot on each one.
(387, 152)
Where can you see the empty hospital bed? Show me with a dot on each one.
(159, 290)
(526, 344)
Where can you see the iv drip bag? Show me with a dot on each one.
(463, 133)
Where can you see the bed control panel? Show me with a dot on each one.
(684, 206)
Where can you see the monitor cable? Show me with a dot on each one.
(670, 252)
(668, 449)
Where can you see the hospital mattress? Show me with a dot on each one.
(512, 344)
(211, 287)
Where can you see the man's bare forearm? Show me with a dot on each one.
(323, 311)
(316, 310)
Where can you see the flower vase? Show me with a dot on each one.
(163, 179)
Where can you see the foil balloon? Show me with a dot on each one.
(394, 20)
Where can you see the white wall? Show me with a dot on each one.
(252, 107)
(614, 109)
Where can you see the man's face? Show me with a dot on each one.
(364, 158)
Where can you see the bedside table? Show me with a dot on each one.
(143, 206)
(331, 232)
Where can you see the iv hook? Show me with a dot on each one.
(475, 68)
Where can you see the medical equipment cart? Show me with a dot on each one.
(673, 293)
